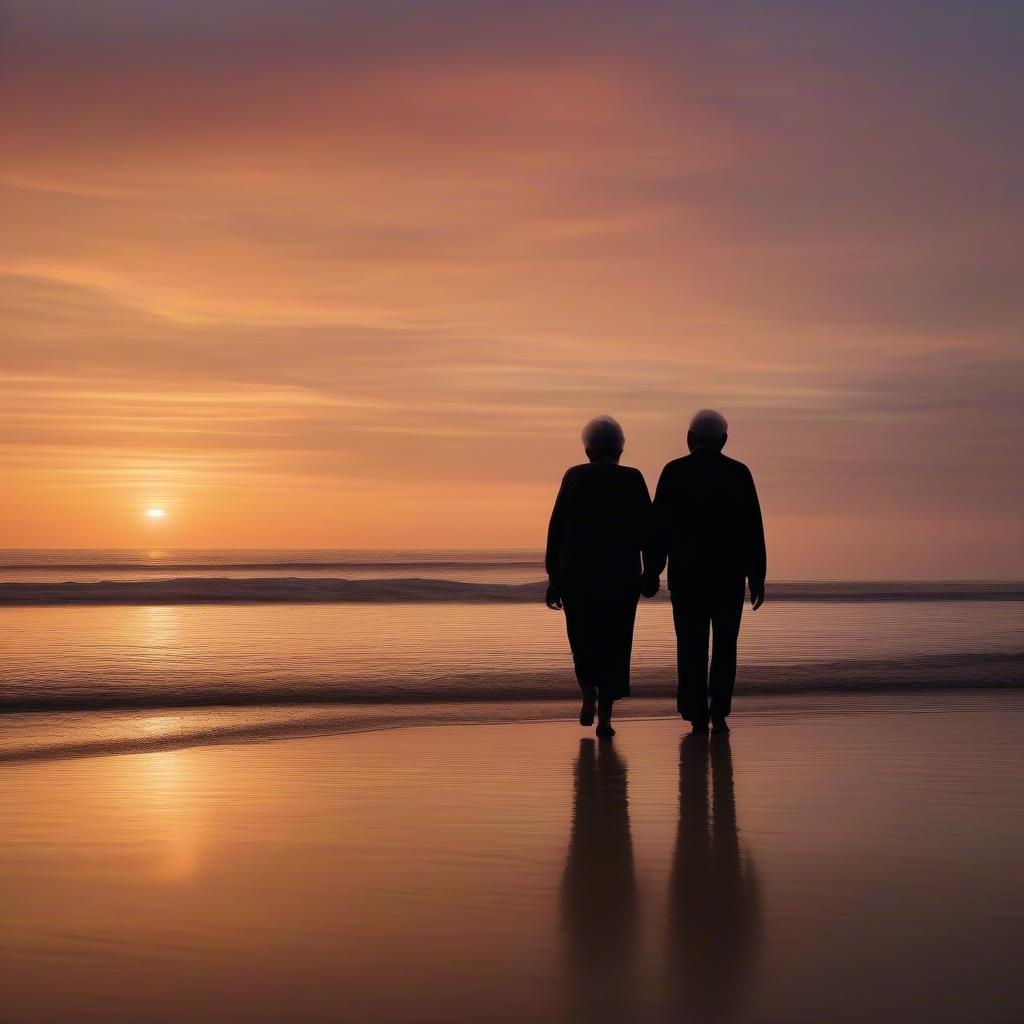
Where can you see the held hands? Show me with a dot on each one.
(553, 598)
(756, 597)
(649, 584)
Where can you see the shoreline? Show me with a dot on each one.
(143, 731)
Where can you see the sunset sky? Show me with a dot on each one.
(354, 274)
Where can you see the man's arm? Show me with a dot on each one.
(645, 522)
(552, 554)
(656, 551)
(757, 565)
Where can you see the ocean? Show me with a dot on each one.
(134, 649)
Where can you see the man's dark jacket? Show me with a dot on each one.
(707, 522)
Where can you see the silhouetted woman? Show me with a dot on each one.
(594, 560)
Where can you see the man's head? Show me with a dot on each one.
(603, 439)
(708, 429)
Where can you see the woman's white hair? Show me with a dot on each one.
(603, 436)
(708, 427)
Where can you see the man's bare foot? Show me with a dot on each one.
(589, 709)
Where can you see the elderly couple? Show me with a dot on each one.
(607, 545)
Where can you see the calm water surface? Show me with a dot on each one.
(369, 651)
(70, 669)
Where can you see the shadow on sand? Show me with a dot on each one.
(599, 905)
(713, 901)
(712, 907)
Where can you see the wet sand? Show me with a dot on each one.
(860, 863)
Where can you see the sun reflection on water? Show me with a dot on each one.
(158, 625)
(166, 785)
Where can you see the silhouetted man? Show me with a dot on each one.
(598, 529)
(707, 523)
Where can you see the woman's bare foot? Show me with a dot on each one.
(604, 719)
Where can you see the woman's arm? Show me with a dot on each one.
(552, 554)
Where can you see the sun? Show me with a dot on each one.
(155, 513)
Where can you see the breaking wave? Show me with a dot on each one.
(963, 671)
(302, 589)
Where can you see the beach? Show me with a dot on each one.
(386, 388)
(849, 861)
(372, 802)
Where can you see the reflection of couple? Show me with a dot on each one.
(713, 906)
(607, 545)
